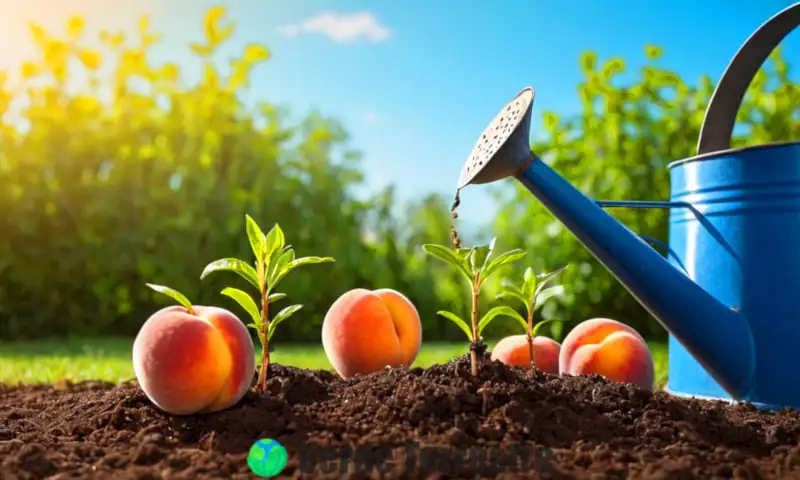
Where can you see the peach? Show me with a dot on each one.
(197, 363)
(609, 348)
(514, 350)
(365, 331)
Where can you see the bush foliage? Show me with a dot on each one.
(117, 170)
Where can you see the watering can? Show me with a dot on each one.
(728, 291)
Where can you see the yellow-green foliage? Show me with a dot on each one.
(115, 171)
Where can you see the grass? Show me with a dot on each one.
(109, 359)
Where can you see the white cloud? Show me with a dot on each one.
(341, 28)
(370, 117)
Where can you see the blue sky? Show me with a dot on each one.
(415, 82)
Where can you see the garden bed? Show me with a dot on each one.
(452, 424)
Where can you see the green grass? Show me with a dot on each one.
(110, 359)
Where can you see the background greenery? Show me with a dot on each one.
(122, 171)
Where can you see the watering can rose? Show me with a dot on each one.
(193, 359)
(364, 331)
(609, 348)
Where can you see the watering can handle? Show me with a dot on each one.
(717, 129)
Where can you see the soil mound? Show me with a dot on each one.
(436, 422)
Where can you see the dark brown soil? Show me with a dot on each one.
(509, 423)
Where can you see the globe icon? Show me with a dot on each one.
(267, 458)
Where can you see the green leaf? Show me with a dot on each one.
(280, 263)
(298, 263)
(472, 256)
(503, 259)
(489, 251)
(232, 265)
(546, 278)
(260, 334)
(463, 254)
(281, 316)
(546, 294)
(256, 236)
(261, 274)
(500, 311)
(480, 256)
(448, 256)
(245, 301)
(529, 283)
(509, 285)
(309, 261)
(539, 325)
(273, 258)
(273, 248)
(275, 240)
(173, 294)
(455, 319)
(276, 297)
(507, 295)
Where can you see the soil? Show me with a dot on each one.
(437, 422)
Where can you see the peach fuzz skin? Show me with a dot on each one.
(365, 331)
(514, 351)
(194, 364)
(609, 348)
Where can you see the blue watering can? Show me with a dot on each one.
(728, 292)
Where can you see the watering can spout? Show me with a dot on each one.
(687, 311)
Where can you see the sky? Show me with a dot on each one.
(415, 82)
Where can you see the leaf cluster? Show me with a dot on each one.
(274, 260)
(476, 265)
(533, 292)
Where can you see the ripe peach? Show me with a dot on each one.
(609, 348)
(364, 331)
(514, 351)
(194, 363)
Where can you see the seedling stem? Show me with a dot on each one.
(533, 293)
(476, 266)
(274, 260)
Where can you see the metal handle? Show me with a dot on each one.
(717, 128)
(646, 204)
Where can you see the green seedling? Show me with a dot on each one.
(533, 293)
(274, 260)
(175, 295)
(476, 266)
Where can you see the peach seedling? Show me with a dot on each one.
(193, 359)
(540, 352)
(476, 266)
(609, 348)
(274, 260)
(364, 331)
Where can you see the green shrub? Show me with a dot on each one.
(120, 173)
